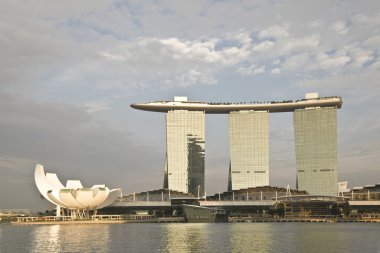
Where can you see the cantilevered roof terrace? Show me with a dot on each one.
(224, 107)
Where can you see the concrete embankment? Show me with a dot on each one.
(42, 221)
(321, 220)
(68, 222)
(102, 221)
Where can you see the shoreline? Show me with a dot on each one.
(182, 220)
(68, 222)
(299, 220)
(98, 221)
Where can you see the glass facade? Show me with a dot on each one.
(185, 140)
(249, 144)
(315, 132)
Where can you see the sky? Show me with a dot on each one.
(69, 71)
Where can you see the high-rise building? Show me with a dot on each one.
(315, 138)
(185, 143)
(249, 137)
(315, 131)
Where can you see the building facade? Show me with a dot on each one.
(185, 145)
(249, 149)
(315, 132)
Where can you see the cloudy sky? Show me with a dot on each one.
(69, 71)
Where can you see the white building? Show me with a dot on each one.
(73, 199)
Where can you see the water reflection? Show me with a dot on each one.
(70, 238)
(248, 238)
(326, 236)
(184, 237)
(45, 239)
(225, 237)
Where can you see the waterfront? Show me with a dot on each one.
(175, 237)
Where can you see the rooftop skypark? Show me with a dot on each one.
(181, 103)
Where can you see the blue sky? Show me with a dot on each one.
(69, 71)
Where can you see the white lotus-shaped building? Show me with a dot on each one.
(73, 197)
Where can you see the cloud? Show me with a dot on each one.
(363, 19)
(203, 51)
(372, 42)
(297, 44)
(341, 27)
(353, 84)
(251, 70)
(17, 173)
(96, 106)
(274, 32)
(262, 46)
(296, 62)
(361, 56)
(329, 62)
(172, 62)
(79, 50)
(154, 63)
(28, 113)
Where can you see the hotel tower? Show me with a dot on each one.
(185, 147)
(315, 130)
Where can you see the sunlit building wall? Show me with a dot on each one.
(316, 150)
(249, 144)
(185, 140)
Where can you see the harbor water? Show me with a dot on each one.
(187, 237)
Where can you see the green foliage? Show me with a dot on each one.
(168, 212)
(159, 213)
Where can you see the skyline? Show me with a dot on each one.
(69, 72)
(315, 132)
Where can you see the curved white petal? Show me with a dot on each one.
(73, 184)
(113, 195)
(54, 197)
(67, 196)
(85, 197)
(98, 185)
(54, 181)
(40, 179)
(101, 196)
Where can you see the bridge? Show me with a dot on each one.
(152, 204)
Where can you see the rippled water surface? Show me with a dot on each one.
(226, 237)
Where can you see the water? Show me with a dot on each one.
(225, 237)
